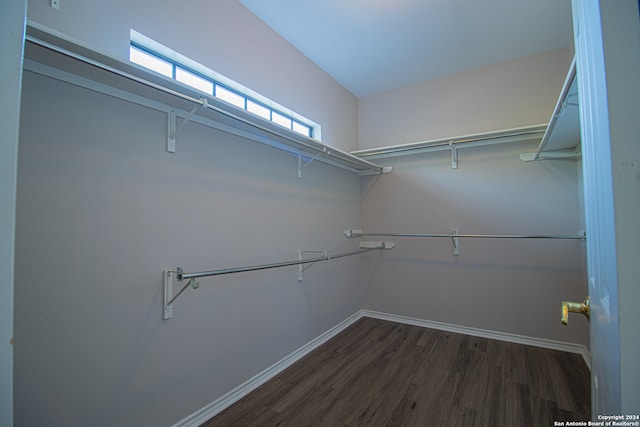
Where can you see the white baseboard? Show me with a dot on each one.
(248, 386)
(501, 336)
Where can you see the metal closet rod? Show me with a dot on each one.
(325, 257)
(477, 236)
(169, 297)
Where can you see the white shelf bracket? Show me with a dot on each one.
(172, 131)
(167, 302)
(168, 276)
(551, 155)
(302, 267)
(454, 155)
(352, 233)
(377, 245)
(455, 240)
(302, 166)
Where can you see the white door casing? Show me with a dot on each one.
(607, 42)
(12, 28)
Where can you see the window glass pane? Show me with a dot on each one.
(302, 129)
(230, 96)
(202, 80)
(194, 81)
(258, 109)
(281, 120)
(150, 61)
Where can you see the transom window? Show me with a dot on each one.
(161, 61)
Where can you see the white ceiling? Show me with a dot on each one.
(372, 46)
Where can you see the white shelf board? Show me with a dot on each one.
(562, 137)
(527, 133)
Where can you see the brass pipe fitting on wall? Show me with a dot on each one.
(575, 307)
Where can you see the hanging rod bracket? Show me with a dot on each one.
(455, 240)
(168, 277)
(377, 245)
(454, 155)
(352, 233)
(302, 267)
(171, 131)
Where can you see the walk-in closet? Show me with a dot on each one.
(247, 240)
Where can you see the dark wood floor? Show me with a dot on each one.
(379, 373)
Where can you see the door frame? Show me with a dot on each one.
(607, 42)
(12, 33)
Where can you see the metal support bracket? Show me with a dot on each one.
(364, 246)
(352, 233)
(302, 267)
(454, 155)
(169, 276)
(377, 245)
(172, 131)
(302, 166)
(455, 240)
(551, 155)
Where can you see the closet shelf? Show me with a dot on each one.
(54, 55)
(561, 140)
(489, 138)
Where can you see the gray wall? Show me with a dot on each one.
(103, 210)
(501, 96)
(512, 286)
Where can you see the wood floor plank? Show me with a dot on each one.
(381, 373)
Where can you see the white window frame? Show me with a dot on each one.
(222, 87)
